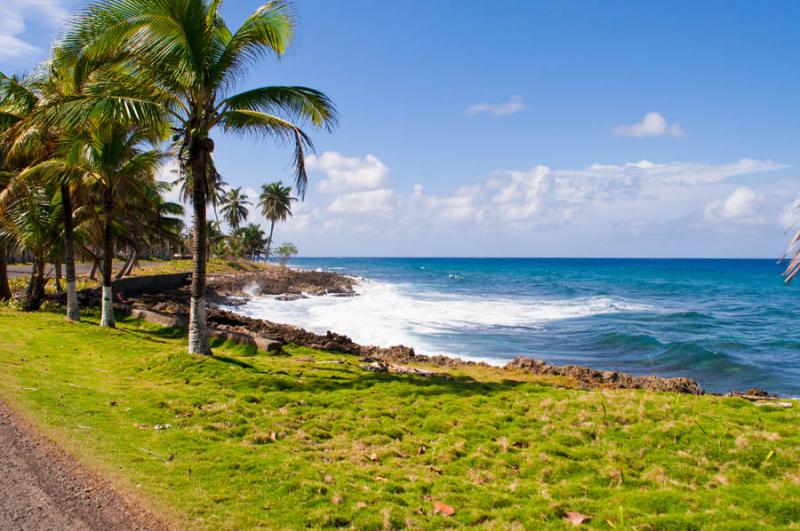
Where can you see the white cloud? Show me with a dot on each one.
(634, 197)
(14, 18)
(677, 172)
(357, 185)
(513, 105)
(742, 206)
(464, 205)
(520, 198)
(652, 124)
(790, 215)
(598, 206)
(347, 174)
(380, 200)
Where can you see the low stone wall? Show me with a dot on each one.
(171, 321)
(133, 286)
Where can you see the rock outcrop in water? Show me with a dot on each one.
(281, 281)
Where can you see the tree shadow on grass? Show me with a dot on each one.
(234, 361)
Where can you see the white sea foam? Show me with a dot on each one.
(390, 314)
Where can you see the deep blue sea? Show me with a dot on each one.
(730, 324)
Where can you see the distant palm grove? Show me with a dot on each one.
(132, 85)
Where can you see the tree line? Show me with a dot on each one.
(131, 85)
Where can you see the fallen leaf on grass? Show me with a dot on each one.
(576, 518)
(443, 508)
(380, 478)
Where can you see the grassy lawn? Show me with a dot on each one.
(289, 441)
(215, 266)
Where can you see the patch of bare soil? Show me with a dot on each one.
(42, 488)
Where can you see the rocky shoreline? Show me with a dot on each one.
(281, 281)
(171, 308)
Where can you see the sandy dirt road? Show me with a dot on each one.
(41, 488)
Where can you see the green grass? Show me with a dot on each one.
(214, 266)
(283, 442)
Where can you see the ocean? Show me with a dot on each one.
(729, 324)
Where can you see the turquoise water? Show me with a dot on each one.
(730, 324)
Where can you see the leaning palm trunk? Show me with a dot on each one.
(93, 270)
(107, 305)
(269, 241)
(5, 289)
(198, 325)
(127, 266)
(34, 293)
(73, 314)
(133, 263)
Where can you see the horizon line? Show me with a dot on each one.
(777, 260)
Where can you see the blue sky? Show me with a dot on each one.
(525, 128)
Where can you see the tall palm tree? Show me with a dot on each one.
(189, 60)
(34, 143)
(115, 161)
(276, 205)
(234, 208)
(17, 100)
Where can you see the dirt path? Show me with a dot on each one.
(41, 488)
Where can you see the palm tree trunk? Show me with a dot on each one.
(34, 293)
(57, 267)
(5, 289)
(269, 241)
(69, 255)
(198, 324)
(123, 271)
(107, 307)
(93, 271)
(134, 260)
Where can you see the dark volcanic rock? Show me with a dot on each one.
(281, 281)
(753, 392)
(608, 379)
(290, 297)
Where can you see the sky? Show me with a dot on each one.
(521, 128)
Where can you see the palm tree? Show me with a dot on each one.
(158, 224)
(113, 160)
(188, 60)
(286, 251)
(32, 222)
(234, 208)
(16, 101)
(253, 240)
(34, 142)
(276, 205)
